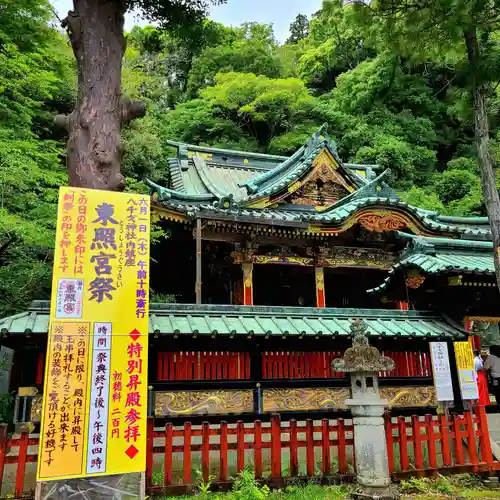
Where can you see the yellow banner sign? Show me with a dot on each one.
(95, 393)
(464, 356)
(466, 372)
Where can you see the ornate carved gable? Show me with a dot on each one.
(323, 186)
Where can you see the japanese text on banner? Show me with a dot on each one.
(95, 397)
(466, 371)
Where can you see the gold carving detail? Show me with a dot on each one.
(483, 319)
(379, 223)
(374, 221)
(415, 281)
(173, 403)
(321, 187)
(279, 259)
(304, 399)
(409, 396)
(36, 409)
(275, 400)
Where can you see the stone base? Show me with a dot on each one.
(365, 493)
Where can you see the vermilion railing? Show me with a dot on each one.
(277, 450)
(304, 365)
(203, 366)
(433, 443)
(259, 445)
(193, 365)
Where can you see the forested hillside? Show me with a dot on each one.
(234, 88)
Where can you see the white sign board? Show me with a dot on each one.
(441, 371)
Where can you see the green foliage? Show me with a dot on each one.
(455, 184)
(247, 488)
(299, 29)
(251, 49)
(34, 84)
(419, 197)
(6, 407)
(394, 91)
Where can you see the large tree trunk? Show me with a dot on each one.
(95, 28)
(481, 138)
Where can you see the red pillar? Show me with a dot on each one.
(320, 286)
(247, 283)
(475, 340)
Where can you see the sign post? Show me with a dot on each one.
(466, 371)
(94, 409)
(441, 371)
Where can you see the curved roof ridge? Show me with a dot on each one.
(203, 149)
(201, 166)
(294, 167)
(253, 184)
(475, 245)
(437, 255)
(464, 220)
(165, 194)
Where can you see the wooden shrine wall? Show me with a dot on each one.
(217, 365)
(196, 383)
(292, 381)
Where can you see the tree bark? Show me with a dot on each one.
(481, 138)
(95, 29)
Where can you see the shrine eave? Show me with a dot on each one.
(432, 256)
(339, 217)
(293, 168)
(263, 321)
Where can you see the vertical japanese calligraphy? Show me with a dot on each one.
(99, 397)
(61, 452)
(95, 393)
(441, 371)
(466, 371)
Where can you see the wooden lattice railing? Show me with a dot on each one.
(278, 450)
(192, 366)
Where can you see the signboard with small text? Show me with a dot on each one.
(95, 393)
(441, 371)
(466, 372)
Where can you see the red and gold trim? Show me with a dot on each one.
(319, 274)
(247, 283)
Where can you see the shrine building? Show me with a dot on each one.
(266, 263)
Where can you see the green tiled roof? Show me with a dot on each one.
(193, 205)
(466, 262)
(292, 169)
(435, 255)
(230, 170)
(188, 319)
(215, 183)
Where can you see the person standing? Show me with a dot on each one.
(482, 382)
(492, 365)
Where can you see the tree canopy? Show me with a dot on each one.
(237, 88)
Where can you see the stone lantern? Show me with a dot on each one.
(363, 362)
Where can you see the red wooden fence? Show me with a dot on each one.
(426, 445)
(203, 365)
(279, 449)
(302, 365)
(21, 459)
(226, 449)
(275, 365)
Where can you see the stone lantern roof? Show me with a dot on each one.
(362, 357)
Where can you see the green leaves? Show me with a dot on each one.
(36, 75)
